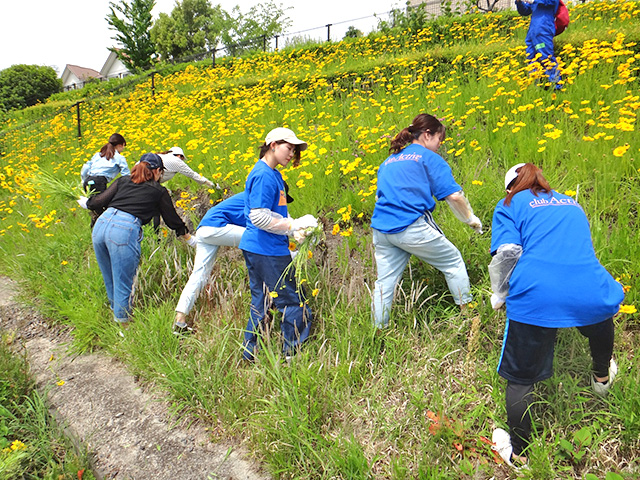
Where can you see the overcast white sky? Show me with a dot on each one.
(60, 32)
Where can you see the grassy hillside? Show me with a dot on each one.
(419, 400)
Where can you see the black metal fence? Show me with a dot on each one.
(326, 33)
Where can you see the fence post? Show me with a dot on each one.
(277, 42)
(264, 43)
(77, 105)
(213, 57)
(329, 32)
(153, 84)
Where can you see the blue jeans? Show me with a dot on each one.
(265, 274)
(116, 241)
(426, 242)
(210, 239)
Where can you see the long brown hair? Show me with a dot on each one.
(264, 148)
(529, 178)
(422, 123)
(108, 150)
(141, 173)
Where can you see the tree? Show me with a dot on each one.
(193, 27)
(247, 31)
(132, 32)
(25, 85)
(353, 32)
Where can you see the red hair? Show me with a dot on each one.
(529, 178)
(141, 173)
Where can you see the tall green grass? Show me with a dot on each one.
(411, 402)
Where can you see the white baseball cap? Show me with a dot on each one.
(512, 174)
(176, 151)
(285, 134)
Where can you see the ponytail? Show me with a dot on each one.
(108, 150)
(422, 123)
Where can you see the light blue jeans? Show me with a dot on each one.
(210, 239)
(116, 240)
(426, 242)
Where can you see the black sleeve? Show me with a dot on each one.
(169, 214)
(102, 200)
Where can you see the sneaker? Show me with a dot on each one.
(502, 444)
(181, 329)
(600, 388)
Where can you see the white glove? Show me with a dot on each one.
(475, 223)
(306, 221)
(496, 301)
(190, 240)
(82, 201)
(300, 235)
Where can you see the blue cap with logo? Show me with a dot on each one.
(153, 161)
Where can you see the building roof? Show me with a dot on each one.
(83, 73)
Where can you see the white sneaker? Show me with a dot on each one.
(502, 444)
(602, 389)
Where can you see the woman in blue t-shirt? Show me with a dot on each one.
(222, 225)
(266, 247)
(402, 223)
(545, 268)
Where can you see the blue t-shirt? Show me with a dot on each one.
(264, 189)
(407, 182)
(558, 281)
(228, 212)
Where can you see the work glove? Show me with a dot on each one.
(475, 223)
(300, 235)
(306, 221)
(496, 301)
(82, 201)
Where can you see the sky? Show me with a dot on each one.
(60, 32)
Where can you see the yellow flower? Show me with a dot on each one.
(64, 262)
(477, 182)
(18, 445)
(60, 383)
(336, 229)
(571, 193)
(273, 294)
(315, 291)
(309, 254)
(627, 309)
(620, 151)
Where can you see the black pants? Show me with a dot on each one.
(519, 397)
(95, 184)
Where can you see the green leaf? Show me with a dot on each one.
(613, 476)
(583, 436)
(566, 445)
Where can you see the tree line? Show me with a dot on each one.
(192, 27)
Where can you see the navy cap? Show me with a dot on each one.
(153, 160)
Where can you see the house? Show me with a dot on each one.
(75, 77)
(114, 68)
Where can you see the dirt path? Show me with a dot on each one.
(127, 430)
